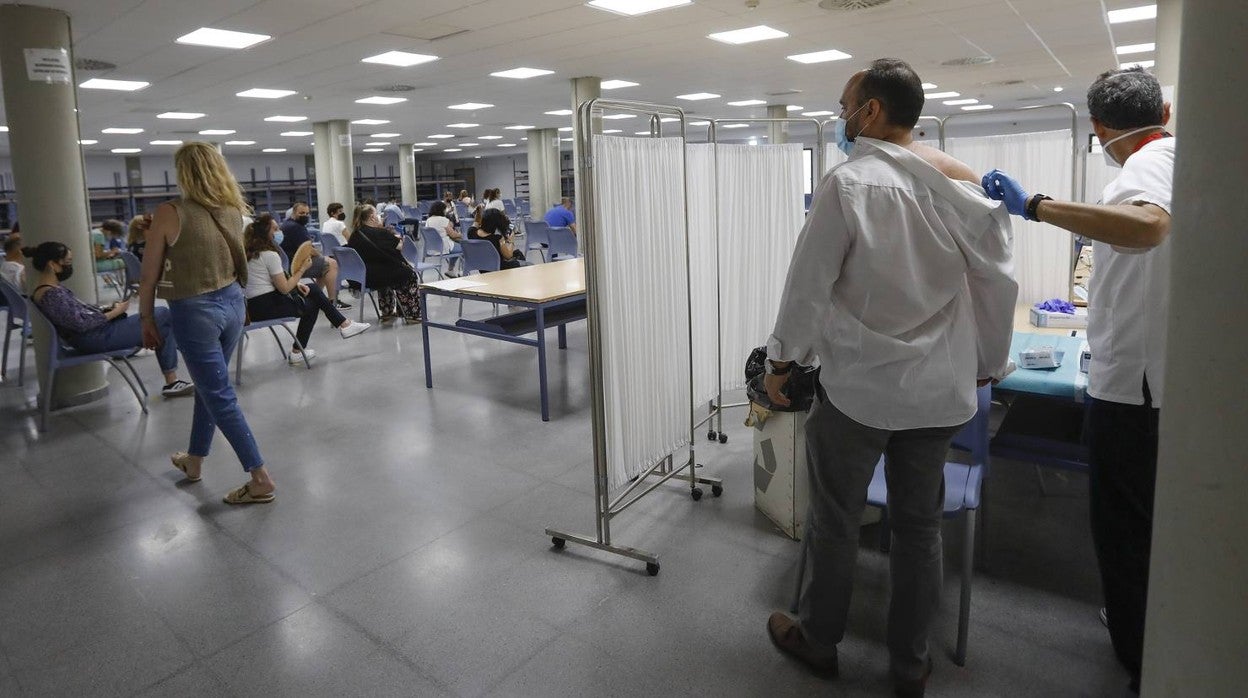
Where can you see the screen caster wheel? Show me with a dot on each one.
(711, 435)
(558, 543)
(696, 493)
(652, 569)
(717, 490)
(723, 438)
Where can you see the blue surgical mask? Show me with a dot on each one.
(278, 237)
(843, 141)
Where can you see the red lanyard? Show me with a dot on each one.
(1149, 139)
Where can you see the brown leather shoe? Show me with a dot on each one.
(788, 637)
(912, 688)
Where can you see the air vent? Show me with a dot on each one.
(394, 88)
(851, 5)
(784, 93)
(426, 31)
(1002, 83)
(93, 64)
(969, 60)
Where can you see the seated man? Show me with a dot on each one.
(562, 216)
(323, 270)
(335, 224)
(12, 269)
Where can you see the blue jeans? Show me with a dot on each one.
(207, 328)
(128, 332)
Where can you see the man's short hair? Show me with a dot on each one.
(895, 84)
(297, 204)
(565, 201)
(1125, 98)
(333, 208)
(113, 226)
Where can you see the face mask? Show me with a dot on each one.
(67, 270)
(1109, 159)
(278, 237)
(302, 220)
(843, 141)
(341, 216)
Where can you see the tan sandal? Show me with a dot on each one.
(243, 495)
(182, 461)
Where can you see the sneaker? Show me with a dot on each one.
(353, 329)
(178, 388)
(296, 357)
(340, 305)
(141, 353)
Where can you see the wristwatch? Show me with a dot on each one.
(774, 370)
(1029, 212)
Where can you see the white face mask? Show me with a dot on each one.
(1109, 159)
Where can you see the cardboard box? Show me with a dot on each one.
(781, 481)
(1044, 318)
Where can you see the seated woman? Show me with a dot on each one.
(105, 250)
(495, 227)
(268, 290)
(90, 330)
(396, 282)
(493, 199)
(136, 240)
(439, 221)
(448, 200)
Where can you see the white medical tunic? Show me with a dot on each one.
(902, 286)
(1129, 294)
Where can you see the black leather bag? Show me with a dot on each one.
(801, 388)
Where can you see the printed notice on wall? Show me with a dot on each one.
(344, 140)
(50, 65)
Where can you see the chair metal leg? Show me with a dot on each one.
(21, 356)
(306, 362)
(4, 358)
(376, 308)
(135, 373)
(968, 570)
(45, 404)
(277, 338)
(134, 389)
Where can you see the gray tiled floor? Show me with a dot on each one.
(405, 553)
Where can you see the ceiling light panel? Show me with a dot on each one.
(181, 115)
(217, 132)
(166, 142)
(425, 144)
(522, 73)
(506, 145)
(977, 107)
(819, 113)
(560, 112)
(371, 122)
(747, 103)
(613, 117)
(470, 106)
(122, 131)
(119, 85)
(442, 135)
(374, 150)
(793, 107)
(943, 95)
(240, 142)
(377, 143)
(264, 93)
(519, 127)
(462, 125)
(401, 59)
(274, 150)
(1135, 48)
(286, 119)
(748, 35)
(960, 102)
(489, 138)
(632, 8)
(126, 151)
(735, 126)
(1132, 14)
(698, 96)
(452, 150)
(381, 100)
(384, 135)
(296, 133)
(616, 84)
(929, 86)
(85, 141)
(820, 56)
(221, 38)
(612, 130)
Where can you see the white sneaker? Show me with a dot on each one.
(296, 357)
(353, 329)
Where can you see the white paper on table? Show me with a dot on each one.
(458, 284)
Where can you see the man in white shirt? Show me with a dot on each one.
(335, 222)
(1127, 306)
(12, 269)
(901, 287)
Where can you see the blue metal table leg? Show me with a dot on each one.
(563, 336)
(424, 330)
(541, 362)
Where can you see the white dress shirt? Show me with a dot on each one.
(902, 287)
(334, 227)
(1129, 294)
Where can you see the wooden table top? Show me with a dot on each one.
(538, 283)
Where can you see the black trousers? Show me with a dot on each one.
(1122, 445)
(275, 305)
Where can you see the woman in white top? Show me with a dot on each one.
(464, 198)
(450, 236)
(268, 290)
(493, 200)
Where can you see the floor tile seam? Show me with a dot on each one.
(490, 688)
(248, 635)
(196, 663)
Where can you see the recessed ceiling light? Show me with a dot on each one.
(1132, 14)
(819, 113)
(616, 84)
(126, 131)
(641, 133)
(384, 135)
(376, 143)
(612, 130)
(820, 56)
(519, 127)
(217, 132)
(1135, 48)
(166, 142)
(374, 150)
(942, 95)
(960, 102)
(489, 138)
(929, 86)
(442, 135)
(462, 125)
(1137, 64)
(240, 142)
(470, 106)
(452, 150)
(632, 8)
(221, 38)
(273, 150)
(418, 150)
(371, 122)
(180, 115)
(748, 35)
(793, 107)
(736, 126)
(566, 140)
(476, 157)
(699, 123)
(977, 107)
(5, 129)
(87, 141)
(522, 73)
(381, 100)
(560, 112)
(697, 96)
(565, 128)
(747, 103)
(402, 59)
(1059, 88)
(122, 85)
(296, 133)
(286, 119)
(468, 145)
(620, 116)
(264, 93)
(126, 151)
(506, 145)
(425, 144)
(668, 120)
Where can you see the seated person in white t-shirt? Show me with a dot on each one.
(268, 290)
(335, 224)
(439, 221)
(12, 269)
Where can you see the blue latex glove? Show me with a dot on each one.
(1001, 187)
(1057, 305)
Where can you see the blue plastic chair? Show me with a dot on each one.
(537, 235)
(285, 259)
(509, 207)
(433, 247)
(480, 256)
(462, 211)
(328, 242)
(60, 356)
(412, 255)
(16, 302)
(562, 243)
(271, 326)
(465, 222)
(351, 268)
(134, 271)
(394, 217)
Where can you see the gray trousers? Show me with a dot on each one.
(842, 455)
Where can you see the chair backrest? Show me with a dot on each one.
(410, 252)
(350, 266)
(17, 304)
(537, 232)
(57, 349)
(509, 207)
(394, 216)
(480, 255)
(285, 259)
(562, 242)
(329, 242)
(433, 242)
(461, 209)
(974, 437)
(134, 268)
(464, 225)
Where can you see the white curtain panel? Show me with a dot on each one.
(761, 198)
(700, 175)
(642, 297)
(832, 156)
(1042, 163)
(1099, 176)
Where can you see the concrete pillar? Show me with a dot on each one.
(134, 172)
(583, 90)
(47, 167)
(1166, 68)
(543, 169)
(777, 133)
(407, 173)
(335, 168)
(1197, 630)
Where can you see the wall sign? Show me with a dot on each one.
(48, 65)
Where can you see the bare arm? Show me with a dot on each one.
(165, 224)
(1134, 226)
(286, 284)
